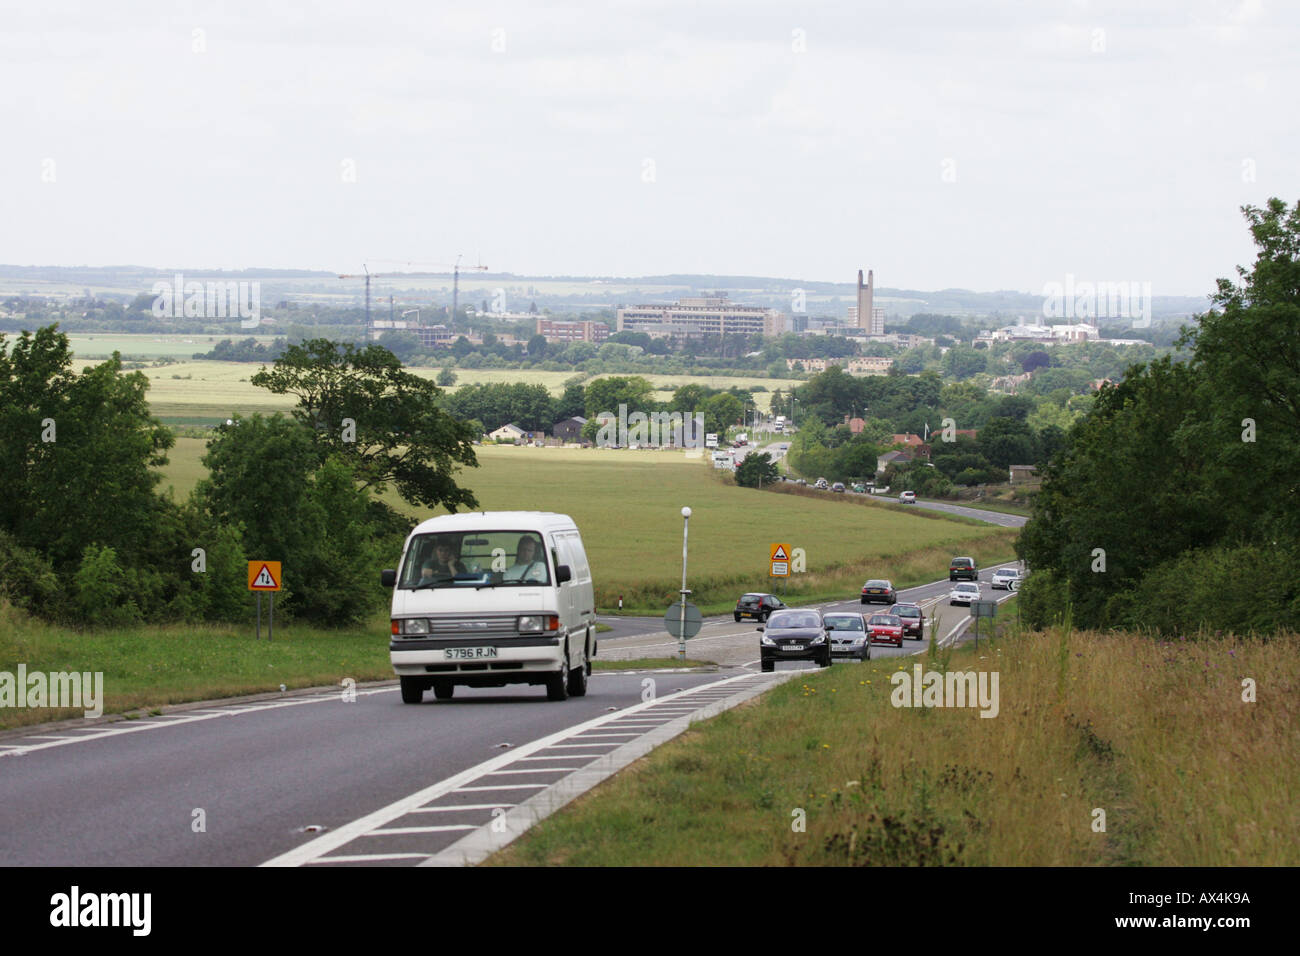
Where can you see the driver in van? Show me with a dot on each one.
(529, 564)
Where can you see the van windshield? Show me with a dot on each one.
(475, 559)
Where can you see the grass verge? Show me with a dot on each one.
(825, 770)
(158, 665)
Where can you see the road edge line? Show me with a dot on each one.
(483, 842)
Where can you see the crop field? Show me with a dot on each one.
(628, 505)
(202, 392)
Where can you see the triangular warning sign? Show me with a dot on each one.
(779, 553)
(264, 579)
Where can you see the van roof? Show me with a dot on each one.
(504, 520)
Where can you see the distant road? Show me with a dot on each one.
(992, 517)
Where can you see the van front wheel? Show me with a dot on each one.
(557, 685)
(412, 689)
(578, 678)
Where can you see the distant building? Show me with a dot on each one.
(1023, 473)
(431, 336)
(509, 432)
(554, 330)
(699, 316)
(570, 429)
(855, 365)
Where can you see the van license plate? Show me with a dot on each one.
(468, 653)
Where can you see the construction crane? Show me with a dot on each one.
(454, 268)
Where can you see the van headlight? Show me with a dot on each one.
(415, 625)
(536, 623)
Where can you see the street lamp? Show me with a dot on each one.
(681, 640)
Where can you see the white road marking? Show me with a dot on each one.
(370, 857)
(507, 773)
(326, 842)
(401, 831)
(136, 726)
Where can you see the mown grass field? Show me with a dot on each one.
(628, 506)
(1155, 734)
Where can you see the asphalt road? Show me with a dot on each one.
(125, 793)
(730, 644)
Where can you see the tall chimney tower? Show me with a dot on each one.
(865, 311)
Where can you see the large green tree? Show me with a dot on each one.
(388, 424)
(78, 452)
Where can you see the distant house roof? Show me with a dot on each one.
(575, 418)
(906, 439)
(856, 425)
(508, 431)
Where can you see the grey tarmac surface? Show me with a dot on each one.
(261, 771)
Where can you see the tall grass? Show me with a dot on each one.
(1155, 734)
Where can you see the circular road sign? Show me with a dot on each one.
(673, 620)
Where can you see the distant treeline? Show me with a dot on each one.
(249, 350)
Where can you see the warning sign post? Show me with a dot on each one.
(780, 560)
(265, 576)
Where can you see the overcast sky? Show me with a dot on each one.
(942, 144)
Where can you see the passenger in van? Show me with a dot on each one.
(446, 562)
(529, 564)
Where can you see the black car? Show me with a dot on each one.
(795, 634)
(912, 618)
(963, 569)
(757, 606)
(882, 591)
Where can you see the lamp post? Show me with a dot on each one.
(681, 640)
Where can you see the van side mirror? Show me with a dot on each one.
(388, 577)
(563, 573)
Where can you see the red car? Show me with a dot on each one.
(886, 629)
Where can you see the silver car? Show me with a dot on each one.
(848, 634)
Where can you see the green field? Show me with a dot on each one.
(628, 505)
(101, 345)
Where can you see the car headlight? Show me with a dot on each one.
(536, 623)
(767, 641)
(819, 639)
(415, 625)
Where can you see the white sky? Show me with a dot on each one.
(1120, 155)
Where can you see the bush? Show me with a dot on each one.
(104, 596)
(1043, 598)
(27, 579)
(1232, 589)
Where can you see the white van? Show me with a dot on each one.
(492, 598)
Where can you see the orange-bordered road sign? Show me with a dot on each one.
(264, 576)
